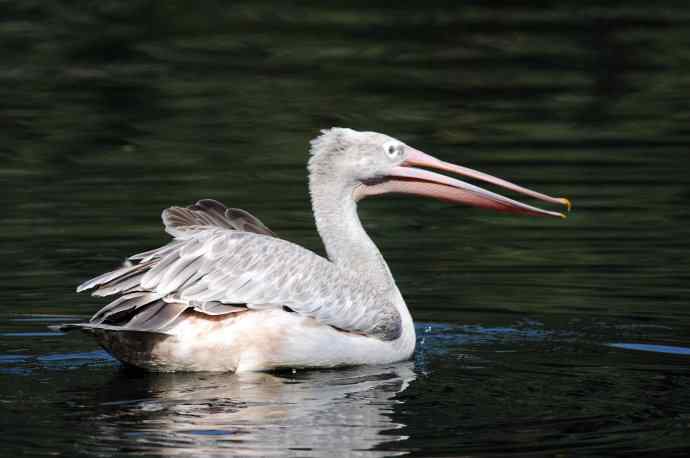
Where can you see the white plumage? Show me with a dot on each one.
(226, 294)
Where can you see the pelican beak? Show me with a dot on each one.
(408, 179)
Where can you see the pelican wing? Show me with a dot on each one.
(216, 269)
(209, 212)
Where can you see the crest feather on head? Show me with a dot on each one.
(333, 139)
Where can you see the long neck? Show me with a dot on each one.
(347, 243)
(349, 246)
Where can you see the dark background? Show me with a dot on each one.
(111, 111)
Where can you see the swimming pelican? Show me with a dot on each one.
(226, 294)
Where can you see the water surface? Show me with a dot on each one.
(536, 337)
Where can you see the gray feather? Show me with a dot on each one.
(226, 256)
(180, 221)
(245, 221)
(272, 272)
(155, 274)
(157, 315)
(216, 308)
(123, 304)
(156, 253)
(122, 272)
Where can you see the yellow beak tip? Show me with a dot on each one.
(567, 203)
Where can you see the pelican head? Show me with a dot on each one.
(370, 164)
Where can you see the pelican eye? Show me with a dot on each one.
(393, 150)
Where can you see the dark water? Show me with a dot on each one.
(536, 337)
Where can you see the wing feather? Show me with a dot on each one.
(156, 253)
(179, 221)
(262, 271)
(125, 303)
(156, 316)
(226, 261)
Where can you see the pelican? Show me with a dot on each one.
(227, 294)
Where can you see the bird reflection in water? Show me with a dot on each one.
(339, 413)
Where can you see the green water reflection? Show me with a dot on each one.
(114, 110)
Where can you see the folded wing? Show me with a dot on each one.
(225, 261)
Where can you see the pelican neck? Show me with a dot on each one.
(347, 243)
